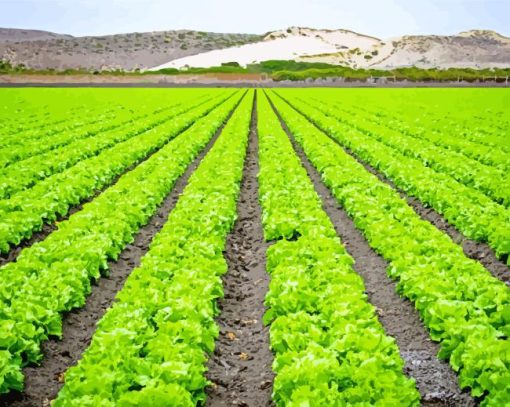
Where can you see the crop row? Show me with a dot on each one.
(43, 112)
(490, 181)
(27, 108)
(151, 347)
(24, 147)
(84, 123)
(470, 211)
(54, 275)
(463, 306)
(481, 127)
(45, 124)
(330, 347)
(450, 139)
(476, 115)
(28, 210)
(23, 174)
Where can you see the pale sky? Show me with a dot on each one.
(380, 18)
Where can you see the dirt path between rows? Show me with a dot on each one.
(435, 380)
(240, 368)
(48, 228)
(478, 251)
(42, 383)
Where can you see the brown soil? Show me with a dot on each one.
(240, 368)
(436, 382)
(43, 382)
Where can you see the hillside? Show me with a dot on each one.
(183, 48)
(475, 49)
(42, 50)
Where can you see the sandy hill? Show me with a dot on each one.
(184, 48)
(294, 43)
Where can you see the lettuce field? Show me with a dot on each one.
(240, 247)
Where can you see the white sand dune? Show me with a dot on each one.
(284, 48)
(476, 48)
(290, 44)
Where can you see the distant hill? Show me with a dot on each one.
(14, 35)
(42, 50)
(184, 48)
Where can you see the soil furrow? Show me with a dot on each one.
(435, 380)
(48, 228)
(478, 251)
(240, 368)
(42, 383)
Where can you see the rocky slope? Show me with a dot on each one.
(475, 49)
(40, 49)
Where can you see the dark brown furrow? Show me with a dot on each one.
(240, 368)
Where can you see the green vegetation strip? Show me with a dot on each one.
(456, 119)
(29, 110)
(27, 211)
(24, 174)
(477, 115)
(24, 147)
(330, 348)
(54, 276)
(151, 347)
(47, 126)
(463, 306)
(96, 110)
(490, 181)
(468, 132)
(475, 215)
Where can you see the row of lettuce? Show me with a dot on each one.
(55, 275)
(492, 181)
(450, 118)
(151, 347)
(464, 307)
(485, 145)
(329, 347)
(29, 113)
(23, 144)
(477, 115)
(473, 213)
(28, 210)
(28, 122)
(49, 155)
